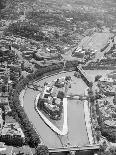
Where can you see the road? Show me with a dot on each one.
(77, 134)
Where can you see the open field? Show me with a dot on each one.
(96, 42)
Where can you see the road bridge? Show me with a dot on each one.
(84, 76)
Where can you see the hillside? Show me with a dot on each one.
(54, 24)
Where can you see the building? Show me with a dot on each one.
(106, 79)
(12, 129)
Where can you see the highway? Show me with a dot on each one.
(77, 133)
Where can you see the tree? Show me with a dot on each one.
(2, 4)
(56, 34)
(97, 77)
(42, 150)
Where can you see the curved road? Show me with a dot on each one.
(77, 134)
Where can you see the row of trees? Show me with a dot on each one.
(32, 138)
(20, 115)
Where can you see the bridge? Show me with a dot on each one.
(84, 76)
